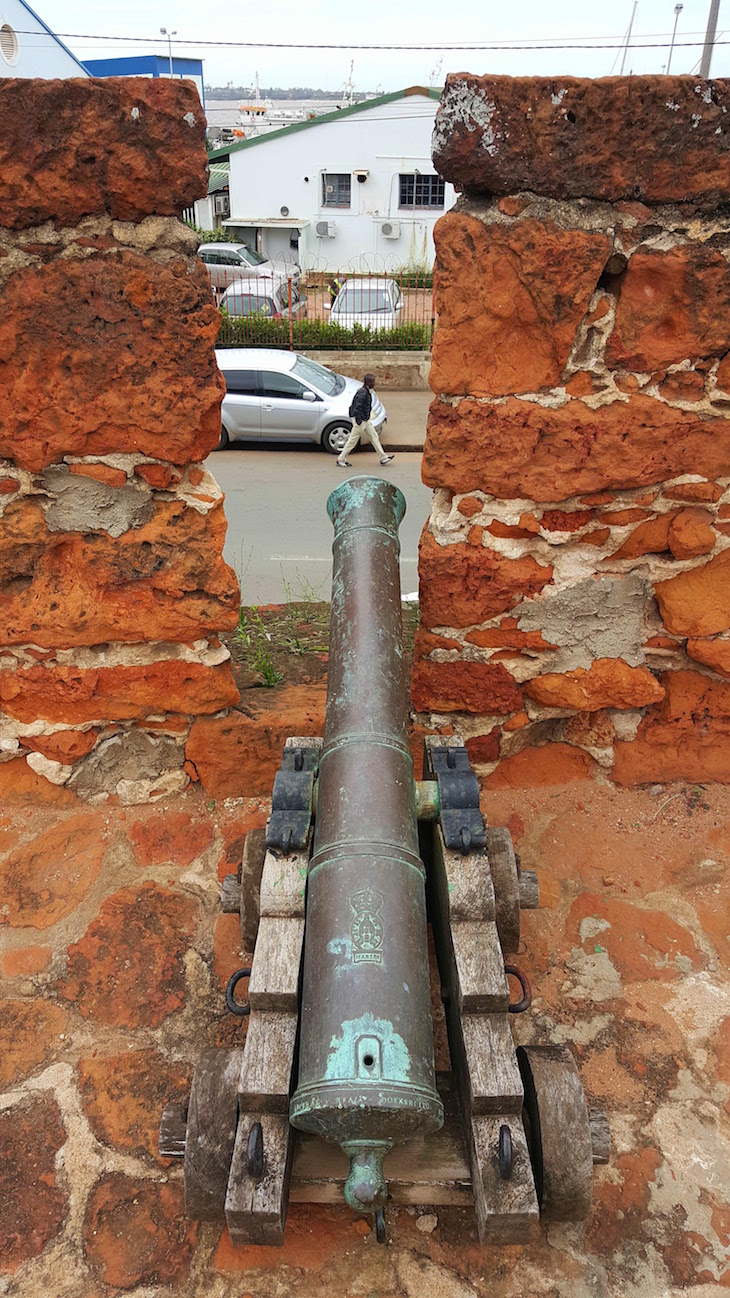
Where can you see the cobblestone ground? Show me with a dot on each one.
(113, 958)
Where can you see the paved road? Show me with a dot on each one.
(279, 533)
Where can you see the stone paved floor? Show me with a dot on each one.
(113, 954)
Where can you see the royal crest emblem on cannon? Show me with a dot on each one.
(334, 1089)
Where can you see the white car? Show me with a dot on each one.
(371, 303)
(228, 262)
(280, 396)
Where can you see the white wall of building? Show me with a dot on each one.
(201, 213)
(286, 171)
(29, 49)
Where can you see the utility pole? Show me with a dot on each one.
(709, 38)
(628, 36)
(677, 11)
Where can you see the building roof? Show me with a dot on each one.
(56, 38)
(218, 177)
(337, 116)
(269, 222)
(129, 65)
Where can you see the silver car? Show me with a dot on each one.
(228, 262)
(265, 295)
(282, 396)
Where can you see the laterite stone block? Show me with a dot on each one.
(518, 448)
(509, 299)
(132, 147)
(657, 139)
(75, 386)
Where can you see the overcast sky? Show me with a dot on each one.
(382, 21)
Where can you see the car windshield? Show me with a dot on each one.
(320, 378)
(243, 304)
(363, 300)
(248, 254)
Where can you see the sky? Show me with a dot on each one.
(317, 22)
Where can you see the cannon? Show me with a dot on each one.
(334, 1089)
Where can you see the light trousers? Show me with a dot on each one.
(367, 429)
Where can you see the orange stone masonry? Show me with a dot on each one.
(104, 1012)
(577, 558)
(113, 587)
(114, 952)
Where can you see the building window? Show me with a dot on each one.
(9, 44)
(336, 189)
(421, 191)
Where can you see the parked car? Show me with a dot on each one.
(227, 262)
(282, 396)
(371, 303)
(266, 295)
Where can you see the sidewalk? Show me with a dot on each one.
(407, 414)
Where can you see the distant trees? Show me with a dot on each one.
(276, 92)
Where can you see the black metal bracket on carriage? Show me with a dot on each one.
(458, 799)
(293, 800)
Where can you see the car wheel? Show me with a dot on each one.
(223, 440)
(334, 437)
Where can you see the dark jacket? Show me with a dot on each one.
(362, 404)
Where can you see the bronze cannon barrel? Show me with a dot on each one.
(366, 1066)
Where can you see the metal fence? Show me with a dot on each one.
(279, 305)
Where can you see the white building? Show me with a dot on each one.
(352, 190)
(28, 47)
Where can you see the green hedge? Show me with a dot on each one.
(261, 331)
(213, 236)
(413, 279)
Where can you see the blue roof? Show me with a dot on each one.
(130, 64)
(155, 65)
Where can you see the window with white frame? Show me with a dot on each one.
(416, 190)
(336, 189)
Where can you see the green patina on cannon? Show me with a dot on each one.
(357, 858)
(366, 1069)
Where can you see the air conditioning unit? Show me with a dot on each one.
(222, 204)
(390, 229)
(325, 229)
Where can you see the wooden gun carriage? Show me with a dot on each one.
(334, 1089)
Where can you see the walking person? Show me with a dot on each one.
(363, 426)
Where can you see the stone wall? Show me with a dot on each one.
(575, 571)
(114, 956)
(404, 371)
(112, 584)
(114, 953)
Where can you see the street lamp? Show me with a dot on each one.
(169, 35)
(677, 11)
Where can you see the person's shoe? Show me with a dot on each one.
(387, 458)
(344, 464)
